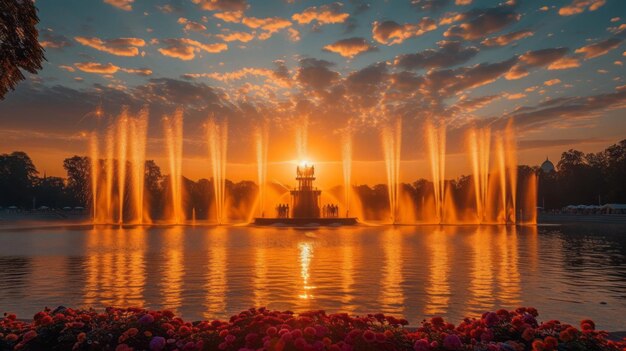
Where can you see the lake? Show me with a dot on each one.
(567, 272)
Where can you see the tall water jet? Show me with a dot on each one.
(217, 137)
(261, 141)
(392, 142)
(122, 154)
(479, 148)
(505, 176)
(94, 155)
(436, 140)
(510, 149)
(109, 172)
(138, 136)
(347, 169)
(173, 128)
(302, 138)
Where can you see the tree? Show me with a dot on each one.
(78, 179)
(19, 43)
(17, 175)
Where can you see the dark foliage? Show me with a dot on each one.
(19, 44)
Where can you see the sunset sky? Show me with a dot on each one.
(555, 67)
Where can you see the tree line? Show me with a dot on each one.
(594, 178)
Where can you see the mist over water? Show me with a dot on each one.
(415, 272)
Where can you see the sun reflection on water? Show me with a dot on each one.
(306, 255)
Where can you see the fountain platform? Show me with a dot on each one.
(303, 222)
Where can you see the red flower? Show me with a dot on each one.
(587, 324)
(369, 336)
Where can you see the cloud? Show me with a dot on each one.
(144, 72)
(552, 82)
(430, 5)
(243, 37)
(270, 25)
(481, 22)
(191, 26)
(125, 5)
(449, 53)
(325, 14)
(67, 68)
(600, 48)
(95, 67)
(554, 58)
(579, 6)
(234, 75)
(316, 74)
(50, 40)
(229, 16)
(222, 5)
(506, 39)
(564, 63)
(515, 96)
(390, 32)
(118, 47)
(350, 47)
(106, 68)
(186, 49)
(566, 109)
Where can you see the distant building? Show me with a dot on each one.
(547, 166)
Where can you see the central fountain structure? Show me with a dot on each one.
(305, 207)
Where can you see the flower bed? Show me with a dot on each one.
(262, 329)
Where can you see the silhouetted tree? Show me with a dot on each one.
(19, 44)
(50, 192)
(78, 170)
(17, 175)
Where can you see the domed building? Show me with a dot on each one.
(547, 166)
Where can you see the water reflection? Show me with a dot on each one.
(171, 269)
(438, 286)
(114, 275)
(216, 276)
(306, 254)
(412, 272)
(392, 295)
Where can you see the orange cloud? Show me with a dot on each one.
(506, 39)
(294, 35)
(325, 14)
(463, 2)
(186, 49)
(579, 6)
(390, 32)
(234, 75)
(118, 47)
(106, 69)
(552, 82)
(229, 16)
(564, 63)
(600, 48)
(67, 68)
(270, 25)
(191, 25)
(515, 96)
(350, 47)
(138, 71)
(126, 5)
(223, 5)
(95, 67)
(233, 36)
